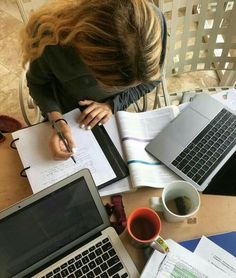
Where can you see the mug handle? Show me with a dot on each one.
(160, 245)
(156, 204)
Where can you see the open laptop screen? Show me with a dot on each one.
(41, 228)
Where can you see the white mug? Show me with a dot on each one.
(182, 195)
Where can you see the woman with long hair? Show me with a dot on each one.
(101, 55)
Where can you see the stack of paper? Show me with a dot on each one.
(207, 261)
(227, 97)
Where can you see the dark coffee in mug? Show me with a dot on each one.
(143, 228)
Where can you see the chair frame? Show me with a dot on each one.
(194, 45)
(28, 103)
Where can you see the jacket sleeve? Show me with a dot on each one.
(40, 81)
(131, 95)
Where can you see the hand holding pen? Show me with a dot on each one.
(61, 143)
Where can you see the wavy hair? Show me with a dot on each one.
(118, 40)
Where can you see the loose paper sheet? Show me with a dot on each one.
(216, 256)
(227, 97)
(179, 263)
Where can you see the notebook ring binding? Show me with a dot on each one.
(23, 172)
(12, 143)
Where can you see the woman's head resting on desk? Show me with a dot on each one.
(118, 40)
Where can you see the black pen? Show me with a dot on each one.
(2, 137)
(60, 135)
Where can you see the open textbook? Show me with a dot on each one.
(136, 130)
(207, 261)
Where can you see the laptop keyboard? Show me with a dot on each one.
(99, 260)
(209, 148)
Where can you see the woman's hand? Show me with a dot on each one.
(95, 113)
(56, 145)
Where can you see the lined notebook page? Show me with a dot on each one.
(34, 151)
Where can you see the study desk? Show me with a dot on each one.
(217, 213)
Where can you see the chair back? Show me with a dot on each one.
(26, 7)
(29, 109)
(201, 37)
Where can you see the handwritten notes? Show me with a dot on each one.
(44, 171)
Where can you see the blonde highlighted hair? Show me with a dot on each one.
(118, 40)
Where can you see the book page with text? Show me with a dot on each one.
(137, 130)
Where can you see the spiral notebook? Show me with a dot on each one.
(95, 151)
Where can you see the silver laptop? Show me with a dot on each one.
(62, 231)
(198, 142)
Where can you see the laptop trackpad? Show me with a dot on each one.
(186, 126)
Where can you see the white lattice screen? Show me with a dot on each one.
(202, 35)
(27, 6)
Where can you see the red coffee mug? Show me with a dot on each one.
(144, 227)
